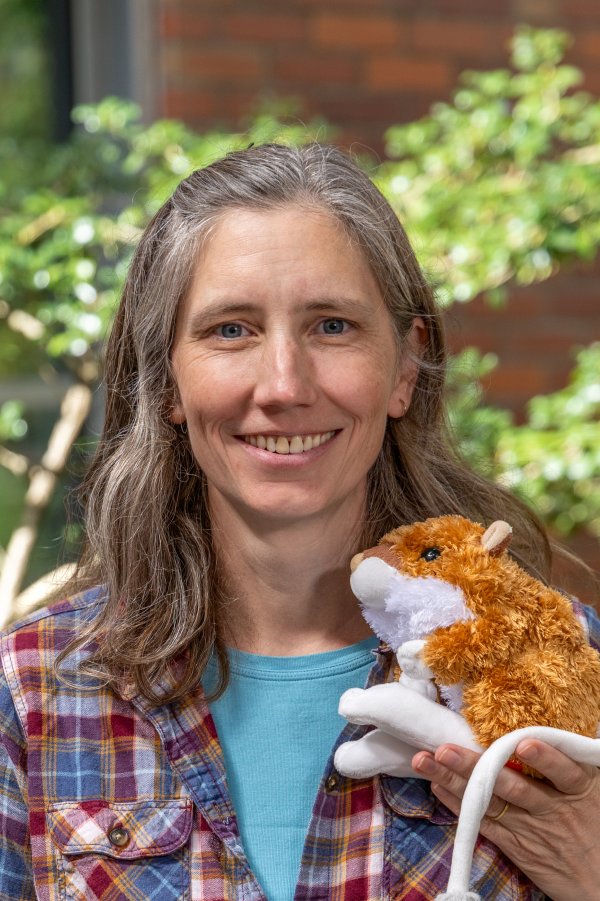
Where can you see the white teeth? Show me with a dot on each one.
(282, 445)
(293, 445)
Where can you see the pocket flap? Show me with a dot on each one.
(124, 830)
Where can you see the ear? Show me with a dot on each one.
(408, 369)
(497, 537)
(176, 413)
(177, 416)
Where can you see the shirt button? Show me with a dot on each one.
(119, 837)
(332, 782)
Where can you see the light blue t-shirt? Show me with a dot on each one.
(277, 723)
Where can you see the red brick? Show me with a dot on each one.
(558, 342)
(265, 27)
(588, 45)
(400, 72)
(236, 104)
(465, 37)
(369, 31)
(177, 23)
(360, 5)
(188, 105)
(519, 380)
(227, 64)
(577, 305)
(192, 5)
(580, 9)
(368, 109)
(320, 69)
(537, 12)
(475, 7)
(591, 80)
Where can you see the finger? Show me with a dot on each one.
(565, 774)
(498, 808)
(453, 789)
(430, 767)
(453, 766)
(455, 783)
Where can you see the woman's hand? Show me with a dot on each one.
(548, 830)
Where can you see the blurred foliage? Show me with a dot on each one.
(23, 70)
(68, 229)
(552, 460)
(500, 185)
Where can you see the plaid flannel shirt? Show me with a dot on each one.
(111, 799)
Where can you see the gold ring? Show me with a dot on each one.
(502, 812)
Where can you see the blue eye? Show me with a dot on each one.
(334, 326)
(230, 330)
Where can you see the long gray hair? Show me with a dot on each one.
(148, 527)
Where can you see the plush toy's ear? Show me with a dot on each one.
(497, 537)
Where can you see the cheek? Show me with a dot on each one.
(206, 393)
(367, 394)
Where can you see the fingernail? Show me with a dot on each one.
(450, 758)
(527, 752)
(426, 765)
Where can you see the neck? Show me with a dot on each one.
(289, 582)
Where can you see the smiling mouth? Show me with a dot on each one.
(295, 444)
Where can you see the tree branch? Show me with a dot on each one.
(18, 464)
(73, 413)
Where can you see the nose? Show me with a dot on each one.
(285, 377)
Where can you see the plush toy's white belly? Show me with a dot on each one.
(401, 608)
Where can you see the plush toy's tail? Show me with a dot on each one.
(479, 791)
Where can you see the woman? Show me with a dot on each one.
(274, 403)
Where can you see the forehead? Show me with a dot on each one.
(290, 247)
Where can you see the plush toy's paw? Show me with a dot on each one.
(374, 753)
(365, 706)
(425, 687)
(350, 702)
(409, 656)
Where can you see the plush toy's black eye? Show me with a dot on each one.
(431, 553)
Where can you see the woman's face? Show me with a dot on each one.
(286, 367)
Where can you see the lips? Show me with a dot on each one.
(292, 444)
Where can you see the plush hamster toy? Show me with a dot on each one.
(506, 655)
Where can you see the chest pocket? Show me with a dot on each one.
(122, 851)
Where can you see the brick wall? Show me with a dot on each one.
(362, 63)
(365, 64)
(534, 335)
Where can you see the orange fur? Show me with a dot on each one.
(524, 659)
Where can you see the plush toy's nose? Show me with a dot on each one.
(358, 558)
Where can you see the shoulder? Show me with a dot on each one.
(64, 617)
(590, 619)
(28, 649)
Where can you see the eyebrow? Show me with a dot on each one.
(342, 304)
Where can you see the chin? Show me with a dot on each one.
(292, 507)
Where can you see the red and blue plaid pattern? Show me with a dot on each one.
(108, 799)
